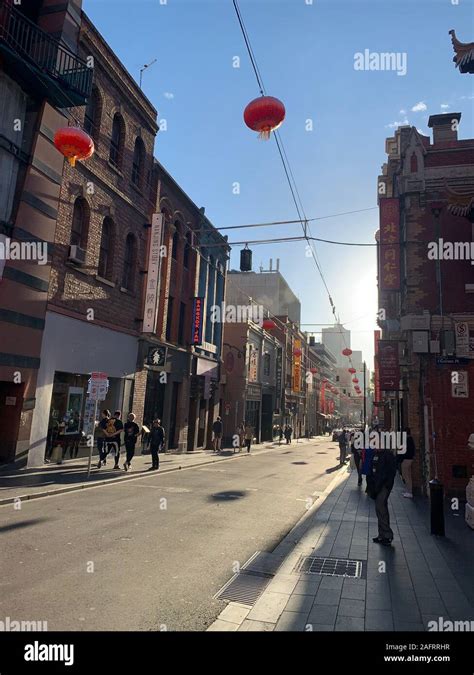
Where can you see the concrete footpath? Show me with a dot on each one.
(71, 475)
(420, 579)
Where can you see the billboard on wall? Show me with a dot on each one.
(389, 259)
(198, 305)
(153, 276)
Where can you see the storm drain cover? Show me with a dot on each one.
(245, 587)
(333, 567)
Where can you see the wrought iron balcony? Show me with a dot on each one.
(43, 64)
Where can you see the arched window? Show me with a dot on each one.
(413, 163)
(175, 246)
(93, 114)
(129, 263)
(116, 141)
(79, 224)
(138, 162)
(106, 244)
(187, 250)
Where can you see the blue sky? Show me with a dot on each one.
(305, 53)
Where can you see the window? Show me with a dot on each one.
(175, 246)
(138, 161)
(105, 255)
(187, 250)
(116, 141)
(169, 318)
(129, 263)
(266, 364)
(182, 314)
(79, 223)
(413, 163)
(93, 114)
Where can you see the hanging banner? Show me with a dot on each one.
(198, 305)
(279, 363)
(376, 367)
(253, 364)
(297, 368)
(154, 267)
(389, 272)
(389, 367)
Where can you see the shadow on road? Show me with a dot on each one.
(24, 523)
(228, 495)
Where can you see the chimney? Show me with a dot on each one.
(445, 127)
(271, 264)
(278, 265)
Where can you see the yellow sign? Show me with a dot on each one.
(297, 366)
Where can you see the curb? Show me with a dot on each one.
(112, 481)
(221, 624)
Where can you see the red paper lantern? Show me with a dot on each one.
(74, 144)
(313, 370)
(352, 370)
(297, 351)
(264, 114)
(268, 324)
(347, 351)
(355, 380)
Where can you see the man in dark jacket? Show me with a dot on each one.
(384, 468)
(156, 440)
(217, 434)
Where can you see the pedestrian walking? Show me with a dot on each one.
(102, 438)
(156, 440)
(131, 433)
(357, 455)
(113, 433)
(280, 434)
(406, 461)
(248, 436)
(384, 468)
(240, 432)
(342, 440)
(217, 434)
(287, 433)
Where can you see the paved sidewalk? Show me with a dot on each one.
(71, 475)
(419, 579)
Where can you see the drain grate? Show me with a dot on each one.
(245, 587)
(334, 567)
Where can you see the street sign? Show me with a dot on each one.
(389, 367)
(98, 386)
(460, 388)
(451, 361)
(461, 331)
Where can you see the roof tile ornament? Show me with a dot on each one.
(464, 54)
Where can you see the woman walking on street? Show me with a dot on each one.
(248, 436)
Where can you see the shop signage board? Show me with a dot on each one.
(156, 356)
(389, 367)
(198, 306)
(153, 275)
(279, 361)
(297, 368)
(253, 364)
(389, 272)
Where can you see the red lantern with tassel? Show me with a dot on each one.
(347, 351)
(351, 370)
(74, 144)
(313, 370)
(355, 380)
(268, 324)
(297, 351)
(264, 114)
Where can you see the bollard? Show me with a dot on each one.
(437, 507)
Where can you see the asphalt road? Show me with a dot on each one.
(150, 554)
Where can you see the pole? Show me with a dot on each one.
(365, 397)
(91, 446)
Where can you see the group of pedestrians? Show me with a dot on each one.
(109, 439)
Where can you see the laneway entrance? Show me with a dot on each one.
(11, 403)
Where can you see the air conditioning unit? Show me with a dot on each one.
(434, 347)
(420, 341)
(77, 255)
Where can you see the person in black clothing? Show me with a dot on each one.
(101, 438)
(217, 434)
(384, 468)
(113, 433)
(287, 432)
(357, 459)
(131, 430)
(156, 440)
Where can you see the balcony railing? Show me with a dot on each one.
(68, 79)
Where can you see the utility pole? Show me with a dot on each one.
(147, 65)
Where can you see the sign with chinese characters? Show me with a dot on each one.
(279, 360)
(156, 356)
(253, 363)
(297, 367)
(376, 366)
(389, 272)
(389, 367)
(198, 305)
(152, 282)
(460, 385)
(90, 411)
(461, 331)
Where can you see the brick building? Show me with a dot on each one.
(426, 195)
(41, 77)
(94, 308)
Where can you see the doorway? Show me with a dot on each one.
(11, 404)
